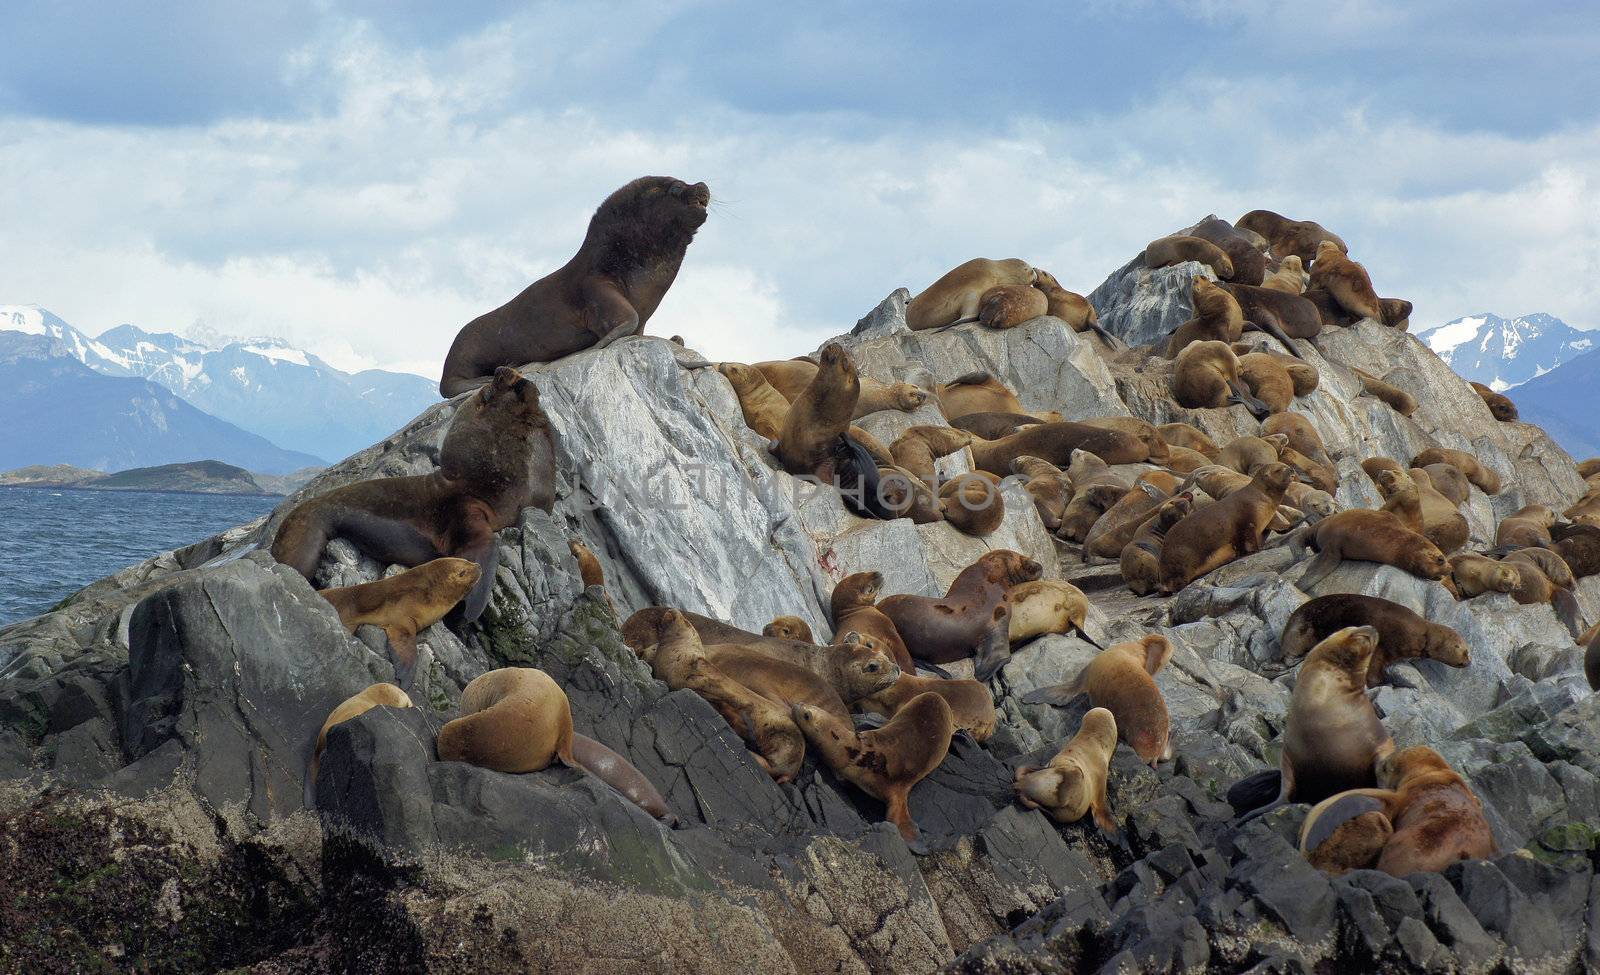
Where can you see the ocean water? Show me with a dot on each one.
(53, 543)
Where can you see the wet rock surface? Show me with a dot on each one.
(155, 730)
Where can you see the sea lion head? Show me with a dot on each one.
(1397, 766)
(1013, 568)
(1329, 251)
(656, 204)
(1274, 478)
(907, 397)
(451, 578)
(868, 668)
(857, 589)
(1100, 725)
(654, 625)
(1504, 578)
(835, 358)
(741, 377)
(1292, 262)
(1446, 646)
(789, 628)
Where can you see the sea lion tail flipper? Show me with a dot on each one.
(1566, 607)
(403, 653)
(1107, 337)
(487, 554)
(1255, 790)
(935, 670)
(1101, 810)
(1317, 570)
(619, 773)
(898, 812)
(1243, 397)
(1083, 635)
(975, 378)
(1057, 695)
(865, 722)
(1340, 809)
(995, 650)
(1272, 329)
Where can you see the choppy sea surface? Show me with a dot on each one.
(54, 542)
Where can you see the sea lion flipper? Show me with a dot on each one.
(1057, 696)
(1272, 329)
(403, 653)
(1255, 790)
(620, 774)
(1340, 809)
(1318, 569)
(976, 378)
(935, 669)
(1107, 337)
(487, 555)
(1101, 810)
(867, 721)
(1083, 634)
(1566, 607)
(996, 648)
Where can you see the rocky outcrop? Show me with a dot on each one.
(155, 729)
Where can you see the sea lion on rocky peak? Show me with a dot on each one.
(1009, 305)
(1217, 318)
(1206, 376)
(628, 259)
(1072, 308)
(1499, 404)
(820, 414)
(378, 695)
(1178, 248)
(1249, 264)
(1347, 281)
(404, 605)
(957, 297)
(1286, 238)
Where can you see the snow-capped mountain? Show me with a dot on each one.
(263, 385)
(1502, 353)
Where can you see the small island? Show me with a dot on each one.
(193, 477)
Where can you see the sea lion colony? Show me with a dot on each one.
(1158, 501)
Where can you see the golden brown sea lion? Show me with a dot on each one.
(1206, 376)
(1009, 305)
(1045, 606)
(1480, 475)
(764, 408)
(1134, 426)
(1047, 484)
(1299, 433)
(1402, 634)
(919, 447)
(1116, 528)
(1167, 251)
(957, 296)
(1074, 782)
(1449, 482)
(1346, 281)
(954, 627)
(1055, 443)
(404, 605)
(1425, 511)
(1072, 308)
(517, 719)
(972, 503)
(629, 258)
(1476, 574)
(497, 458)
(971, 704)
(1529, 526)
(1187, 435)
(976, 392)
(1290, 277)
(1218, 533)
(789, 628)
(1121, 679)
(1423, 818)
(378, 695)
(1141, 557)
(1268, 380)
(1217, 318)
(1398, 399)
(885, 762)
(821, 413)
(1182, 460)
(664, 639)
(1552, 565)
(1285, 237)
(854, 609)
(1245, 454)
(1370, 536)
(1499, 404)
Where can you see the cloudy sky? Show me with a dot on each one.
(362, 178)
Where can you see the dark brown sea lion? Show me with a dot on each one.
(629, 258)
(1009, 305)
(517, 719)
(1249, 264)
(1591, 661)
(1347, 281)
(1140, 560)
(953, 627)
(404, 605)
(1222, 531)
(1285, 237)
(1074, 781)
(1402, 634)
(994, 426)
(1371, 536)
(885, 762)
(497, 458)
(1055, 442)
(1579, 546)
(957, 296)
(1499, 404)
(1121, 679)
(1178, 248)
(1275, 312)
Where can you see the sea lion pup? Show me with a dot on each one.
(1332, 736)
(1299, 433)
(1268, 380)
(853, 608)
(664, 639)
(1579, 547)
(958, 295)
(1249, 263)
(378, 695)
(972, 503)
(1218, 533)
(971, 704)
(1551, 564)
(820, 415)
(1476, 574)
(1278, 314)
(1167, 251)
(1402, 634)
(951, 628)
(1398, 399)
(1046, 606)
(1423, 818)
(1302, 375)
(764, 408)
(1055, 442)
(1290, 277)
(1009, 305)
(1347, 281)
(1206, 376)
(789, 628)
(1074, 782)
(918, 447)
(590, 572)
(1141, 557)
(1245, 454)
(1285, 237)
(1072, 308)
(497, 458)
(1143, 429)
(404, 605)
(1480, 475)
(976, 392)
(1499, 405)
(1116, 528)
(516, 719)
(1187, 435)
(1528, 527)
(1121, 679)
(628, 259)
(1217, 318)
(884, 762)
(1370, 536)
(1095, 488)
(1047, 484)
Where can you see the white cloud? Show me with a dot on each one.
(370, 234)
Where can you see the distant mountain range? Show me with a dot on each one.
(1566, 402)
(56, 410)
(1504, 353)
(264, 386)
